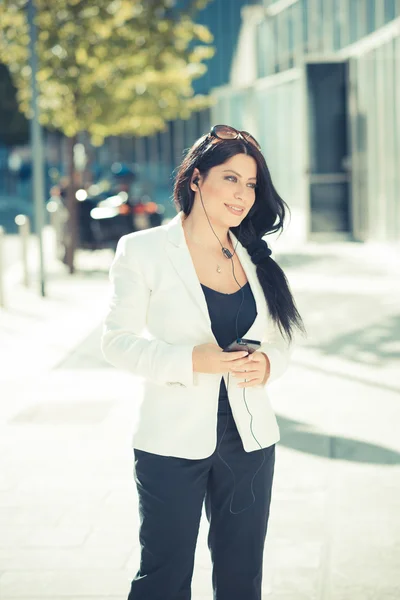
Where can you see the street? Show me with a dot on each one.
(68, 507)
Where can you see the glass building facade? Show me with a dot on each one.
(325, 105)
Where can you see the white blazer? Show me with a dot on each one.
(158, 314)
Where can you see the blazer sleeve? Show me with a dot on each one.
(122, 343)
(278, 351)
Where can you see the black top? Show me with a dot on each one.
(223, 310)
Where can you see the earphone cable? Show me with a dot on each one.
(212, 228)
(251, 421)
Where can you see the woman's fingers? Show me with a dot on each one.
(252, 360)
(235, 358)
(249, 382)
(240, 364)
(241, 372)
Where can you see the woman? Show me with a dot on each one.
(206, 431)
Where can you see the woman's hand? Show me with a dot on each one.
(254, 371)
(210, 358)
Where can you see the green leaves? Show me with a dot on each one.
(121, 66)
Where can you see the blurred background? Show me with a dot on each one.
(316, 81)
(98, 103)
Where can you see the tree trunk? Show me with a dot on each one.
(72, 225)
(87, 178)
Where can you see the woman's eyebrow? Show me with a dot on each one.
(236, 173)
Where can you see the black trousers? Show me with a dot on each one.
(171, 493)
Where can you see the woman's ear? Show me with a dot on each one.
(195, 181)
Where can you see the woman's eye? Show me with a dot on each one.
(234, 179)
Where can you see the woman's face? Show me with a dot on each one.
(229, 190)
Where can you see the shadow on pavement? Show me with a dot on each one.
(381, 385)
(373, 345)
(304, 437)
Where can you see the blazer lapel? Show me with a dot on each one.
(181, 260)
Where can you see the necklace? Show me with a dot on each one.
(218, 269)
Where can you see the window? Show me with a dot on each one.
(370, 15)
(353, 20)
(283, 34)
(337, 24)
(262, 49)
(291, 16)
(276, 44)
(296, 31)
(304, 7)
(270, 45)
(315, 23)
(396, 157)
(389, 10)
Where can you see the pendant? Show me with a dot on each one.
(218, 269)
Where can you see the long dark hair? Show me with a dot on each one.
(267, 215)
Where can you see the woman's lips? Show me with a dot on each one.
(234, 211)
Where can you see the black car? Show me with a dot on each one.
(105, 217)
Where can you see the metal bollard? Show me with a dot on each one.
(24, 230)
(54, 209)
(2, 297)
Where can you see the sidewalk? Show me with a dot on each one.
(68, 507)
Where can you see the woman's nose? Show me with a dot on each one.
(239, 191)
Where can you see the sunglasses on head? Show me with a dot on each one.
(226, 132)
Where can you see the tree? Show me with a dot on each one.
(108, 67)
(14, 128)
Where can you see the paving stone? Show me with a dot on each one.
(32, 515)
(49, 584)
(57, 537)
(40, 559)
(305, 582)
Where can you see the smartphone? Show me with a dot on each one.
(249, 346)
